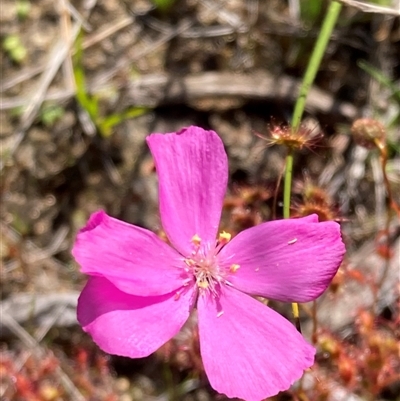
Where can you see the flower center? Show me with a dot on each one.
(204, 265)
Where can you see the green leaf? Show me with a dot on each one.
(310, 11)
(23, 8)
(163, 5)
(106, 125)
(50, 114)
(380, 77)
(13, 46)
(88, 103)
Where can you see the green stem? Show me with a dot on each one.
(331, 17)
(287, 184)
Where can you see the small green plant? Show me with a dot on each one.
(90, 103)
(381, 78)
(23, 8)
(386, 82)
(310, 11)
(163, 5)
(50, 114)
(14, 48)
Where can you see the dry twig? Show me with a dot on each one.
(373, 8)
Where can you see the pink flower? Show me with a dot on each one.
(141, 291)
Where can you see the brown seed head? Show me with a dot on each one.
(368, 133)
(293, 138)
(316, 200)
(324, 212)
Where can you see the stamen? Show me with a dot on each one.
(234, 268)
(190, 262)
(224, 238)
(202, 284)
(196, 240)
(202, 265)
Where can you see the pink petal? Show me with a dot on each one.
(290, 260)
(249, 351)
(132, 258)
(128, 325)
(193, 171)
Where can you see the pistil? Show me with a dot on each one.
(203, 264)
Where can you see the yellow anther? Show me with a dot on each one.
(196, 240)
(224, 238)
(190, 262)
(202, 284)
(234, 268)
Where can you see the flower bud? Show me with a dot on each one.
(368, 133)
(293, 138)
